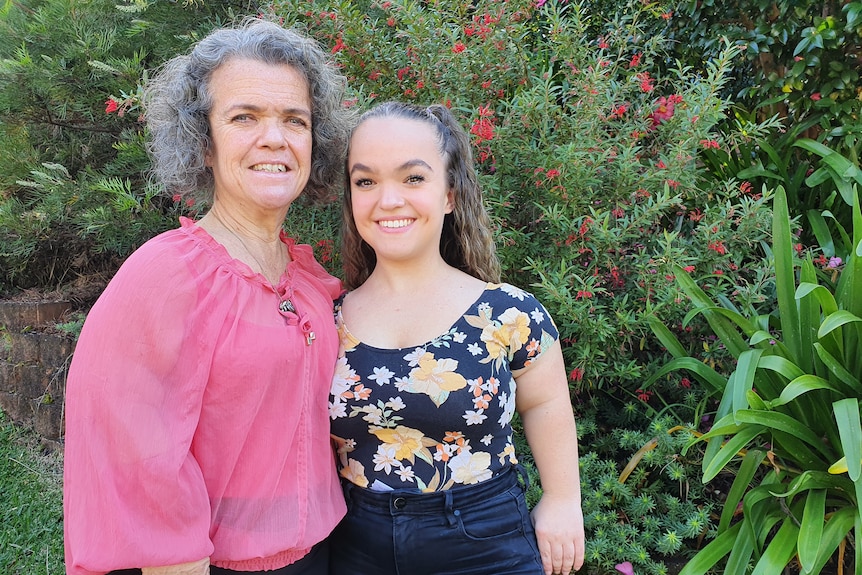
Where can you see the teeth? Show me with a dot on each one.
(395, 223)
(269, 168)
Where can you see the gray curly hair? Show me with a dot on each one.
(177, 102)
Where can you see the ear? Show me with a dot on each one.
(208, 157)
(450, 201)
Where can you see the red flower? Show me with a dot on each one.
(111, 106)
(390, 21)
(576, 374)
(646, 82)
(339, 46)
(644, 395)
(685, 382)
(635, 61)
(717, 247)
(689, 269)
(816, 96)
(459, 47)
(709, 144)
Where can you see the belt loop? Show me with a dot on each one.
(348, 489)
(522, 472)
(451, 513)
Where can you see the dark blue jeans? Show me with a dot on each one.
(477, 529)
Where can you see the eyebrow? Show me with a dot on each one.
(285, 111)
(360, 167)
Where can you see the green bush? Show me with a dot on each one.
(589, 161)
(73, 199)
(788, 425)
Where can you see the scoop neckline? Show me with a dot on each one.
(360, 343)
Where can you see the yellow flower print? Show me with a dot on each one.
(409, 443)
(355, 473)
(469, 468)
(505, 337)
(435, 378)
(508, 453)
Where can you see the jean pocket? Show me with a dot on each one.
(499, 516)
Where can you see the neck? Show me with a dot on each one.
(258, 247)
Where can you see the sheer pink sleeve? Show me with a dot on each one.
(133, 492)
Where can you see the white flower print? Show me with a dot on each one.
(459, 337)
(343, 378)
(382, 375)
(508, 409)
(537, 315)
(414, 356)
(385, 459)
(395, 404)
(469, 468)
(406, 474)
(373, 414)
(487, 439)
(402, 383)
(513, 291)
(475, 417)
(337, 409)
(474, 349)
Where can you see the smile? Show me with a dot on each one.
(269, 168)
(392, 224)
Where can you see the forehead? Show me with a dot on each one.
(240, 79)
(394, 139)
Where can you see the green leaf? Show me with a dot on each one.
(850, 430)
(780, 551)
(728, 451)
(799, 386)
(839, 371)
(836, 529)
(775, 420)
(742, 379)
(784, 273)
(811, 528)
(715, 550)
(744, 475)
(836, 320)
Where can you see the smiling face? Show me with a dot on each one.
(260, 125)
(399, 188)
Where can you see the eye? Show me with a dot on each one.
(362, 183)
(297, 121)
(415, 179)
(242, 118)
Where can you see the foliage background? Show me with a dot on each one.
(617, 143)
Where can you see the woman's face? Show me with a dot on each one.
(399, 189)
(260, 126)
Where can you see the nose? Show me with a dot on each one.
(391, 197)
(272, 134)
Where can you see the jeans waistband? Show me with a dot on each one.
(404, 501)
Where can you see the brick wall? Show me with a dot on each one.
(33, 365)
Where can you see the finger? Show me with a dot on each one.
(545, 553)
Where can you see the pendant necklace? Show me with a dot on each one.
(284, 303)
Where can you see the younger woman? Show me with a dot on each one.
(432, 352)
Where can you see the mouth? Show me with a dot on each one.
(395, 224)
(272, 168)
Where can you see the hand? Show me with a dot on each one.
(201, 567)
(559, 523)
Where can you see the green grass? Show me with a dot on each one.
(31, 504)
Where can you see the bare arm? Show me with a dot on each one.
(201, 567)
(546, 412)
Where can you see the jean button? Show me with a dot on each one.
(400, 503)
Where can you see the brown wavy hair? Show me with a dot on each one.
(466, 242)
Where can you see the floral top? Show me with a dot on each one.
(437, 415)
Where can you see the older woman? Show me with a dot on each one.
(197, 437)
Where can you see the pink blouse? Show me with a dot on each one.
(197, 422)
